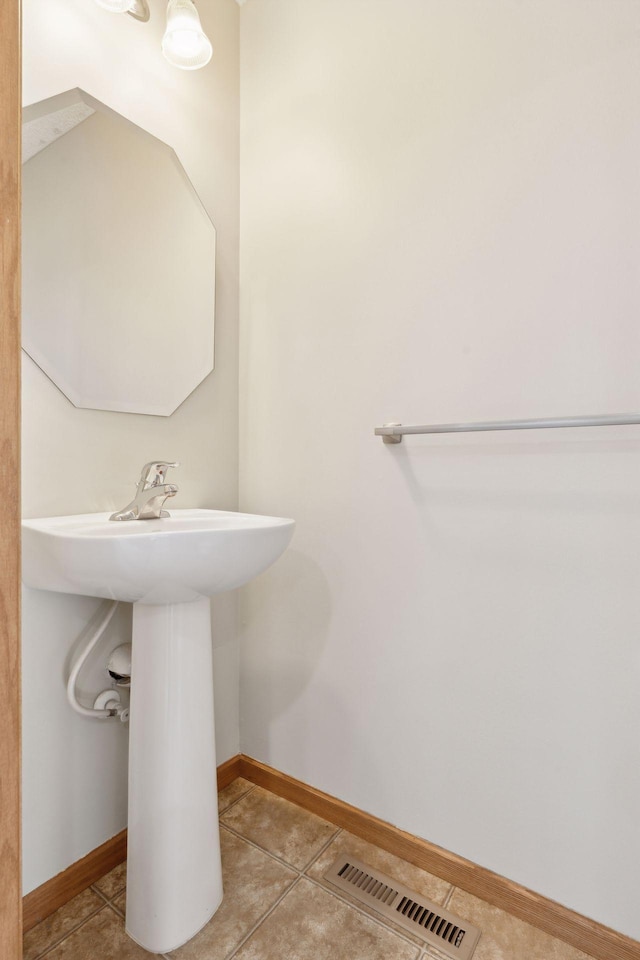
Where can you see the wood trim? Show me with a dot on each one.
(57, 891)
(10, 141)
(228, 772)
(65, 886)
(580, 932)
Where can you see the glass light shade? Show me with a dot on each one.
(116, 6)
(185, 44)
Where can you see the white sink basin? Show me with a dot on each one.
(168, 569)
(191, 554)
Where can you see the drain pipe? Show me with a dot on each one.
(109, 700)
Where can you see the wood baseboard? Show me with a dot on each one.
(65, 886)
(229, 771)
(44, 900)
(580, 932)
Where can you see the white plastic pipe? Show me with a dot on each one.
(78, 665)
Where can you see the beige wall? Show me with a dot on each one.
(78, 461)
(439, 221)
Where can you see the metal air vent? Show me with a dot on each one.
(450, 934)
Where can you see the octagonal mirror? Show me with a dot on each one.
(118, 260)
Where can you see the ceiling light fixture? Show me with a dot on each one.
(185, 44)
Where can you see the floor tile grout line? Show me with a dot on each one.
(376, 919)
(299, 870)
(252, 843)
(107, 899)
(116, 910)
(237, 800)
(70, 932)
(432, 953)
(251, 932)
(449, 897)
(324, 847)
(99, 893)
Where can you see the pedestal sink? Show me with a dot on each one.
(168, 569)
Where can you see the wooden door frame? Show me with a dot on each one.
(10, 680)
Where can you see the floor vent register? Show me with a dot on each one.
(452, 936)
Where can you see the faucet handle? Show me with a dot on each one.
(153, 473)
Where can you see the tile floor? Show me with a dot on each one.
(278, 907)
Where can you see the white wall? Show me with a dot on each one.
(77, 461)
(439, 221)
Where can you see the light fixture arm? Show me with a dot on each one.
(139, 10)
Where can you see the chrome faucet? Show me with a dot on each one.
(151, 494)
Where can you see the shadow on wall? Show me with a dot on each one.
(516, 470)
(557, 513)
(277, 664)
(285, 685)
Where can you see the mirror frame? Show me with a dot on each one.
(10, 351)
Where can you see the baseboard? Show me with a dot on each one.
(65, 886)
(57, 891)
(580, 932)
(229, 771)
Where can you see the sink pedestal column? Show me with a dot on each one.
(174, 877)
